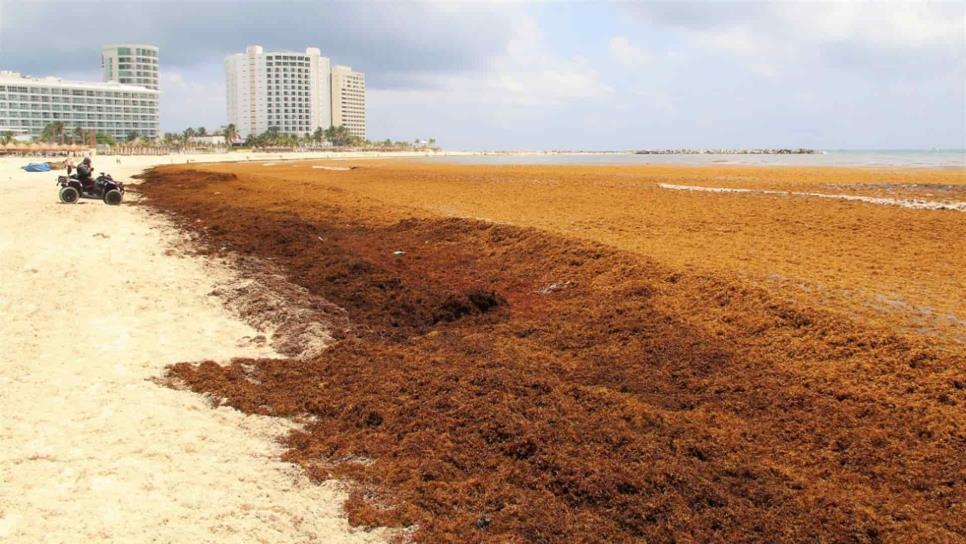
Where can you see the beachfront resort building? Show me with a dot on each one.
(125, 102)
(282, 89)
(349, 100)
(131, 64)
(295, 93)
(28, 104)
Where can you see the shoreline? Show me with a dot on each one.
(947, 160)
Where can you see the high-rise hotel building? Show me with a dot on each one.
(292, 92)
(126, 102)
(349, 100)
(131, 64)
(28, 104)
(286, 90)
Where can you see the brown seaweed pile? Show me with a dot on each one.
(502, 384)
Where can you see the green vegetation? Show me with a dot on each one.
(231, 134)
(335, 136)
(104, 138)
(53, 132)
(339, 137)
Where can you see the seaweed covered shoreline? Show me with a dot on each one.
(503, 384)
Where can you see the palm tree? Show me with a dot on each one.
(104, 138)
(6, 137)
(51, 131)
(231, 133)
(269, 137)
(187, 135)
(56, 131)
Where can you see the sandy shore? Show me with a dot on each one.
(93, 450)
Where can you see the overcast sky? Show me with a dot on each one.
(574, 76)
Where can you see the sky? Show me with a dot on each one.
(587, 75)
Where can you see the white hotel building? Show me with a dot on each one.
(131, 64)
(126, 102)
(349, 100)
(287, 90)
(28, 104)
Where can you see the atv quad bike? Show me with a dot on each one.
(102, 188)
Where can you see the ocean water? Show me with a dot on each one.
(870, 158)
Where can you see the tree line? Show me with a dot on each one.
(57, 132)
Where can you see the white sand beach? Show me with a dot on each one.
(92, 449)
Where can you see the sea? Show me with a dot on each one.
(865, 158)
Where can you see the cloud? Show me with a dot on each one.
(524, 82)
(628, 54)
(192, 97)
(902, 37)
(481, 75)
(526, 93)
(385, 39)
(418, 57)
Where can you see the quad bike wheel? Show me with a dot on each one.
(69, 195)
(112, 197)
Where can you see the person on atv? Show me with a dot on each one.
(85, 174)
